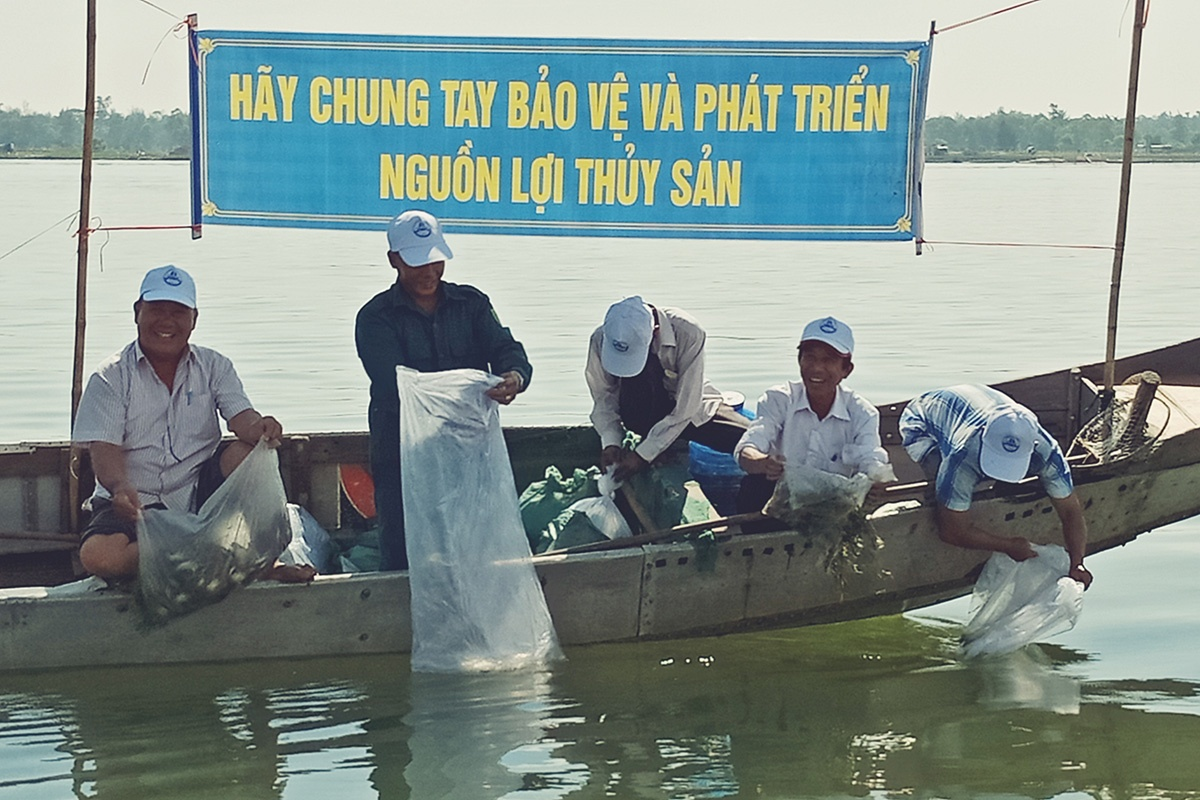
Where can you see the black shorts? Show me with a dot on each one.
(105, 521)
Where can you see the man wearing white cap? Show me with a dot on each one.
(814, 421)
(149, 418)
(645, 371)
(429, 325)
(964, 435)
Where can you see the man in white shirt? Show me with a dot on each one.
(149, 418)
(645, 370)
(814, 421)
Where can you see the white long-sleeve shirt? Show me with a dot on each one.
(846, 442)
(679, 346)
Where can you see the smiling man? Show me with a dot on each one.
(814, 421)
(429, 325)
(149, 416)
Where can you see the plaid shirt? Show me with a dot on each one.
(952, 420)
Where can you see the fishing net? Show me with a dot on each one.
(187, 561)
(1128, 428)
(829, 508)
(808, 497)
(476, 600)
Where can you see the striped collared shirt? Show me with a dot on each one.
(166, 434)
(952, 420)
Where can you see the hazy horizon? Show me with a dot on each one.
(1072, 53)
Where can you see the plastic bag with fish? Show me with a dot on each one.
(186, 561)
(477, 604)
(602, 511)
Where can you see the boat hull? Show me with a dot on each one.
(750, 582)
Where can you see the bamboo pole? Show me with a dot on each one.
(1114, 291)
(85, 215)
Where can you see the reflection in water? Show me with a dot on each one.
(1026, 679)
(477, 735)
(880, 708)
(247, 732)
(697, 767)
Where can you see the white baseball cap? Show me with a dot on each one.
(169, 283)
(1008, 442)
(832, 332)
(417, 237)
(628, 328)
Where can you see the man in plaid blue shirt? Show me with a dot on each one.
(964, 435)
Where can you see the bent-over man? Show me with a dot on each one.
(645, 371)
(964, 435)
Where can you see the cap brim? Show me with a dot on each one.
(420, 256)
(837, 346)
(1001, 466)
(623, 365)
(156, 295)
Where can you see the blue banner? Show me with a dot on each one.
(770, 140)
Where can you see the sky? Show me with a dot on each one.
(1073, 53)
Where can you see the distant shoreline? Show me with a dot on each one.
(1059, 158)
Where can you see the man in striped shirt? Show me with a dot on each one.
(964, 435)
(149, 418)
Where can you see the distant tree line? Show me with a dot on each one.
(168, 135)
(1054, 133)
(132, 135)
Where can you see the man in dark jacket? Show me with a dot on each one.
(429, 325)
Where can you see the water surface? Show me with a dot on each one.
(881, 708)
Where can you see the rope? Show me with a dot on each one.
(1020, 244)
(985, 16)
(172, 29)
(70, 216)
(159, 8)
(140, 228)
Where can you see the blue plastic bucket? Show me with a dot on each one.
(718, 473)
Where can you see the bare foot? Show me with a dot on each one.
(290, 573)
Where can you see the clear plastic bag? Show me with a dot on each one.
(186, 561)
(476, 600)
(311, 544)
(809, 496)
(604, 516)
(602, 511)
(1017, 603)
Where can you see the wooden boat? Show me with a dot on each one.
(668, 587)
